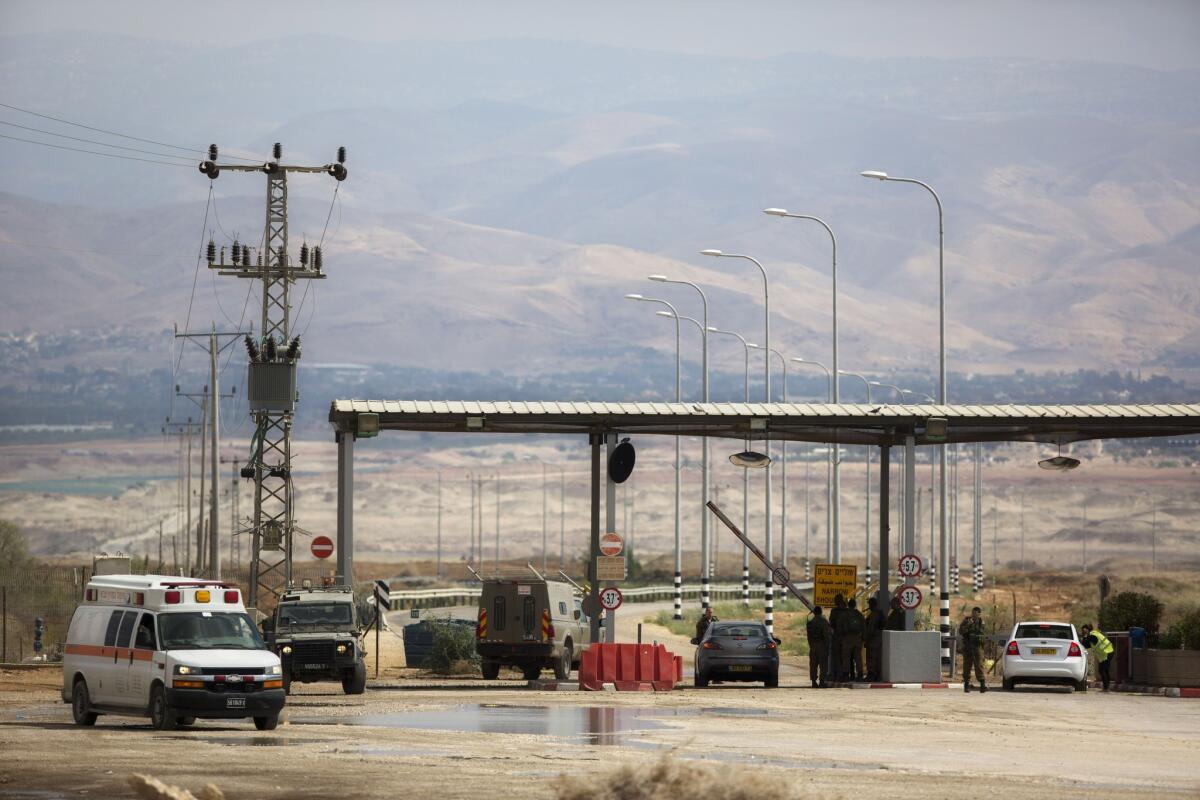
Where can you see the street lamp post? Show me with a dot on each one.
(769, 586)
(866, 383)
(832, 546)
(678, 397)
(705, 482)
(835, 394)
(943, 542)
(746, 346)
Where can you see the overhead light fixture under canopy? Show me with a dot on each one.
(749, 459)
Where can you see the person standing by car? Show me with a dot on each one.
(820, 635)
(874, 639)
(970, 631)
(1102, 649)
(852, 644)
(705, 620)
(837, 616)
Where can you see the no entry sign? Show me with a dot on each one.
(610, 598)
(611, 544)
(322, 547)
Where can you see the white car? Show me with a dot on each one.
(1046, 653)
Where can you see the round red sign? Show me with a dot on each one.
(322, 546)
(611, 544)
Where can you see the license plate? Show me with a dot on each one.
(740, 668)
(314, 666)
(1045, 651)
(235, 702)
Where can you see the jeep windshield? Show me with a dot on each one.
(297, 616)
(208, 630)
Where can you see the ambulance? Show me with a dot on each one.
(173, 649)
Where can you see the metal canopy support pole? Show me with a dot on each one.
(345, 508)
(885, 595)
(610, 520)
(910, 512)
(214, 538)
(593, 582)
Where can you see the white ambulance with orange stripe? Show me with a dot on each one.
(173, 649)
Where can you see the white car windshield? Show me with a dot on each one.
(205, 630)
(1043, 630)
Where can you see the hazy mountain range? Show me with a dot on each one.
(503, 197)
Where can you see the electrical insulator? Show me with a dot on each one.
(260, 258)
(278, 151)
(341, 155)
(304, 255)
(269, 352)
(212, 251)
(222, 254)
(236, 252)
(293, 351)
(318, 261)
(251, 349)
(212, 152)
(282, 256)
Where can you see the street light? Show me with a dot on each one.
(764, 462)
(705, 482)
(678, 397)
(834, 459)
(835, 394)
(743, 460)
(866, 383)
(943, 539)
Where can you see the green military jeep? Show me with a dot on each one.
(317, 634)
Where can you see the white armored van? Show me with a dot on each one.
(173, 649)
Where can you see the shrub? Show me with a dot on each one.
(453, 647)
(1126, 610)
(1184, 633)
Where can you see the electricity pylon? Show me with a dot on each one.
(271, 384)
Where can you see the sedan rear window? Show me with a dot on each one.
(1043, 631)
(740, 630)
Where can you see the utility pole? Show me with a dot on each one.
(439, 523)
(562, 518)
(471, 546)
(184, 429)
(272, 368)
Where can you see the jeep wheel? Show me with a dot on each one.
(162, 718)
(490, 670)
(266, 723)
(355, 682)
(562, 667)
(532, 672)
(81, 704)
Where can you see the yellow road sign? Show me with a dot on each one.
(833, 579)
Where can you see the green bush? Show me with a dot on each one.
(1184, 633)
(453, 648)
(1126, 610)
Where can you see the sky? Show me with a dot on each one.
(1159, 34)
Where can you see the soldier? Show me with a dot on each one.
(895, 617)
(702, 624)
(852, 642)
(1102, 649)
(819, 637)
(874, 640)
(836, 616)
(970, 631)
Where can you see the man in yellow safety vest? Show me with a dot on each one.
(1102, 649)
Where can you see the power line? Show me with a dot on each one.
(93, 141)
(94, 152)
(114, 133)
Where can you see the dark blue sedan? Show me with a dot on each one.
(737, 651)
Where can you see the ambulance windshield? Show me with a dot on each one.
(208, 630)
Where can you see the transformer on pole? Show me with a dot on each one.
(271, 381)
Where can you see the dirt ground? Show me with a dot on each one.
(415, 735)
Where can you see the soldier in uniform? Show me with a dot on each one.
(854, 624)
(970, 631)
(895, 617)
(837, 616)
(874, 640)
(820, 635)
(705, 620)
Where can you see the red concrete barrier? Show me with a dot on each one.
(630, 667)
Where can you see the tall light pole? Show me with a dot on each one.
(867, 384)
(705, 482)
(439, 523)
(769, 585)
(835, 394)
(833, 545)
(943, 543)
(783, 447)
(545, 529)
(745, 472)
(562, 518)
(678, 398)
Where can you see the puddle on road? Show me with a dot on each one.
(599, 725)
(238, 741)
(31, 794)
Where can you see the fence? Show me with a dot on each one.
(46, 592)
(468, 595)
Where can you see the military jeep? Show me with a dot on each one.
(317, 634)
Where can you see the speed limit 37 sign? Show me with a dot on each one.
(610, 598)
(909, 597)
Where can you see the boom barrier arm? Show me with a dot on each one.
(779, 573)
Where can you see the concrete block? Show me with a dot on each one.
(912, 657)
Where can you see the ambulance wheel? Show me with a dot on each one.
(186, 721)
(162, 718)
(266, 723)
(81, 704)
(356, 682)
(562, 667)
(490, 670)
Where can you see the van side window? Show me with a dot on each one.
(126, 628)
(562, 608)
(114, 622)
(498, 615)
(527, 614)
(145, 639)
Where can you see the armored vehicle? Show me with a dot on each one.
(318, 637)
(532, 624)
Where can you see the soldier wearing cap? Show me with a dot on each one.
(820, 636)
(970, 631)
